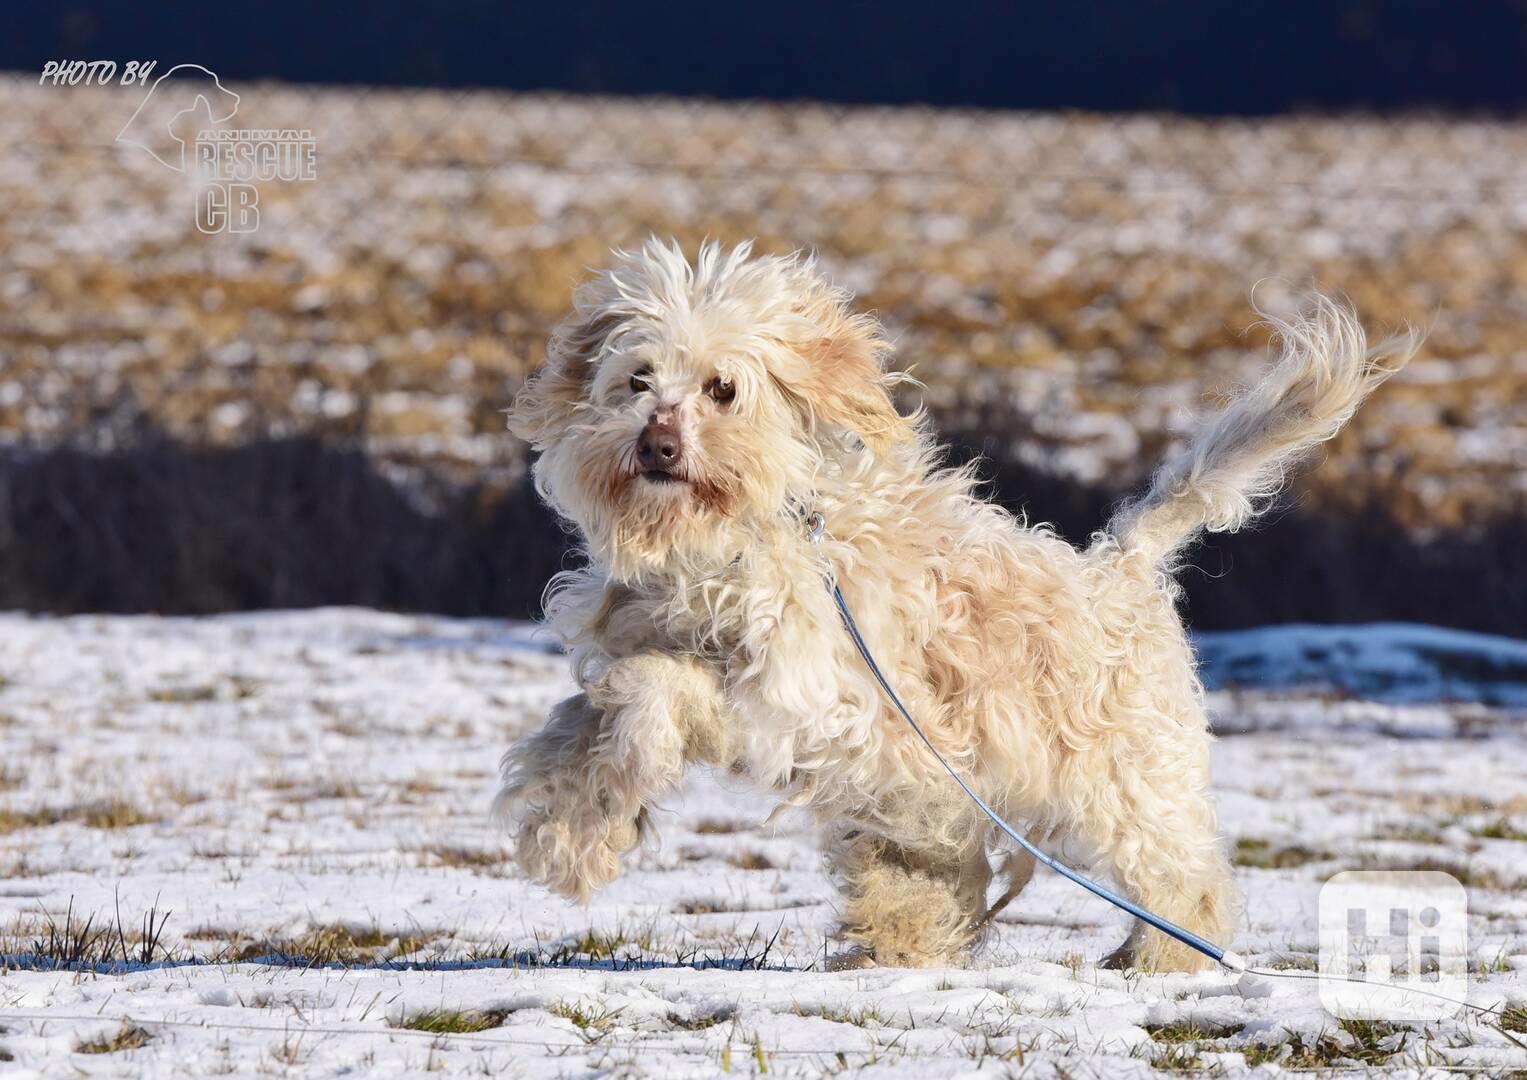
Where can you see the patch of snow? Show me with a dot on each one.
(291, 772)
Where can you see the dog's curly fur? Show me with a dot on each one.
(1059, 681)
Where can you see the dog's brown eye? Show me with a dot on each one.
(721, 390)
(639, 381)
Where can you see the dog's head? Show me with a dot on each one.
(680, 403)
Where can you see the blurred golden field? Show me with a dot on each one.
(1070, 289)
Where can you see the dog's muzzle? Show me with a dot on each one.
(660, 448)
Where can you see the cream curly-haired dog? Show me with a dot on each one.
(689, 417)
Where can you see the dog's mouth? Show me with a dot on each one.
(658, 476)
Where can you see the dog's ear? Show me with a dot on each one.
(847, 384)
(547, 400)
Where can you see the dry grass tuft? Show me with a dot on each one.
(752, 860)
(1190, 1031)
(183, 695)
(717, 827)
(465, 857)
(1255, 852)
(321, 946)
(1370, 1043)
(1501, 829)
(585, 1017)
(1469, 876)
(105, 814)
(450, 1021)
(129, 1037)
(86, 941)
(111, 814)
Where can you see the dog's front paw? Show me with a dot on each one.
(574, 854)
(565, 837)
(570, 813)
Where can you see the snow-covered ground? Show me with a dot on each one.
(304, 797)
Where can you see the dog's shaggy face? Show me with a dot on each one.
(679, 404)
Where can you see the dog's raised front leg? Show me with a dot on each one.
(576, 792)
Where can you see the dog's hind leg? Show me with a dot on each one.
(1158, 834)
(577, 791)
(905, 908)
(1019, 866)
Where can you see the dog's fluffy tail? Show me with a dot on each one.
(1232, 468)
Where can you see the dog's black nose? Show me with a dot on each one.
(659, 448)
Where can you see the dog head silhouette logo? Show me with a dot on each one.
(184, 100)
